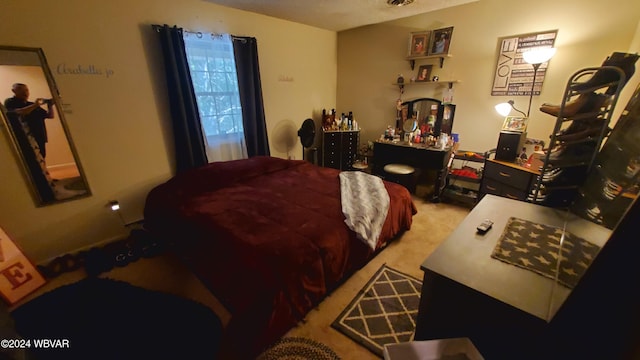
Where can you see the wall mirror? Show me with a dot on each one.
(34, 122)
(429, 111)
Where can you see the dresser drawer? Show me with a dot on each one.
(491, 186)
(519, 179)
(332, 163)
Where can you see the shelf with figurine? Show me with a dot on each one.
(412, 59)
(427, 83)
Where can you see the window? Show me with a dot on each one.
(215, 82)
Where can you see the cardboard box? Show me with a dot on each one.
(442, 349)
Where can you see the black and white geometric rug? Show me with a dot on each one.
(383, 312)
(537, 247)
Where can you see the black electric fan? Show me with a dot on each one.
(307, 134)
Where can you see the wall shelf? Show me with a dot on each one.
(412, 59)
(426, 83)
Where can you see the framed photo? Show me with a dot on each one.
(440, 41)
(515, 124)
(418, 43)
(424, 73)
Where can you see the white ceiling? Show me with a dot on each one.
(337, 15)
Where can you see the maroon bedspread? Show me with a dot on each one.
(267, 236)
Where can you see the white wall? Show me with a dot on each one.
(120, 124)
(370, 59)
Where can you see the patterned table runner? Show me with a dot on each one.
(536, 247)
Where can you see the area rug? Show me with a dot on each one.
(383, 312)
(110, 319)
(298, 348)
(536, 247)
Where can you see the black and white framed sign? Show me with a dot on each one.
(513, 76)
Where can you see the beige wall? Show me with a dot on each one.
(370, 59)
(120, 123)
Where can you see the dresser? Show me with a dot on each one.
(340, 148)
(507, 179)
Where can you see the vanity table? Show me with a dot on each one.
(502, 308)
(418, 156)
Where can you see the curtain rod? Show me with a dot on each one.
(199, 34)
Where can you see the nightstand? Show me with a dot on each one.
(507, 179)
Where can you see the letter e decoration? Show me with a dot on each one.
(18, 276)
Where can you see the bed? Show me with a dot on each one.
(267, 236)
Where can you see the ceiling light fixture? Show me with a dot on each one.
(399, 2)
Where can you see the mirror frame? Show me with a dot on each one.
(439, 121)
(57, 103)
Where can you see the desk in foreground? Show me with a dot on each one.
(467, 293)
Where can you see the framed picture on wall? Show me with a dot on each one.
(440, 41)
(418, 43)
(424, 73)
(515, 124)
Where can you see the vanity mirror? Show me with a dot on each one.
(439, 116)
(35, 125)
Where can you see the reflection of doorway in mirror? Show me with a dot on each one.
(59, 160)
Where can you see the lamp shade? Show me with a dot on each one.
(503, 108)
(538, 55)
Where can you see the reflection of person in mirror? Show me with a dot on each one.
(32, 112)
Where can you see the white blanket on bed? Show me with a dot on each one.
(365, 203)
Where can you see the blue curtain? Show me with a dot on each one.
(255, 127)
(189, 142)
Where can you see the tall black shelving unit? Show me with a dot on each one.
(614, 182)
(572, 150)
